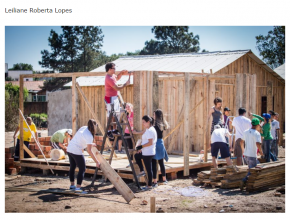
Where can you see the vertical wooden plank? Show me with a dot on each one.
(269, 95)
(155, 91)
(238, 92)
(152, 205)
(179, 143)
(186, 123)
(21, 103)
(205, 110)
(73, 90)
(137, 100)
(253, 93)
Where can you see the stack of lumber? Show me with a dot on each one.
(201, 177)
(233, 177)
(216, 175)
(267, 175)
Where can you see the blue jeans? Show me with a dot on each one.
(267, 151)
(252, 162)
(274, 148)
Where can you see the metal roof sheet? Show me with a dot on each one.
(281, 70)
(188, 62)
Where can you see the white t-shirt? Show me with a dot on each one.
(251, 137)
(80, 141)
(241, 124)
(275, 125)
(149, 134)
(218, 135)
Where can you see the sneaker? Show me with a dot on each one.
(165, 182)
(72, 187)
(141, 173)
(146, 188)
(79, 190)
(154, 185)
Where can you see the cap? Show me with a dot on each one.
(255, 121)
(226, 109)
(69, 131)
(266, 115)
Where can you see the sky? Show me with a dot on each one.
(23, 44)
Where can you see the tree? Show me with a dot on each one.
(272, 46)
(171, 39)
(12, 105)
(22, 66)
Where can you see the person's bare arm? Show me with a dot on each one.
(260, 148)
(150, 142)
(138, 132)
(17, 129)
(89, 150)
(122, 73)
(242, 145)
(118, 88)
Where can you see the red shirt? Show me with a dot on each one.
(110, 81)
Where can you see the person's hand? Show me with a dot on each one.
(14, 136)
(250, 113)
(139, 147)
(124, 72)
(261, 153)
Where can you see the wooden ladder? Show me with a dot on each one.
(125, 122)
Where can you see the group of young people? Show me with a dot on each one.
(151, 150)
(248, 136)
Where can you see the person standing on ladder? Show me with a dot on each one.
(111, 92)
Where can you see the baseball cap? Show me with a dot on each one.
(255, 121)
(226, 109)
(69, 131)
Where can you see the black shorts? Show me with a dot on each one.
(223, 147)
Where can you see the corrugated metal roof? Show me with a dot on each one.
(188, 62)
(281, 70)
(98, 81)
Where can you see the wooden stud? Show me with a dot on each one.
(155, 91)
(137, 100)
(186, 125)
(74, 118)
(205, 116)
(269, 96)
(152, 205)
(21, 103)
(114, 178)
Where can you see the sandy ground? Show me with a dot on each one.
(178, 196)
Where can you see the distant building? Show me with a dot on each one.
(36, 102)
(15, 74)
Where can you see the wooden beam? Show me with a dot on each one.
(74, 117)
(205, 117)
(29, 152)
(238, 93)
(21, 103)
(253, 93)
(137, 100)
(95, 117)
(115, 179)
(269, 96)
(152, 205)
(186, 125)
(155, 91)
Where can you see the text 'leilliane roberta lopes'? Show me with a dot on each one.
(38, 10)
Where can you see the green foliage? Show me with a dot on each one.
(171, 39)
(272, 46)
(12, 105)
(22, 66)
(9, 78)
(38, 119)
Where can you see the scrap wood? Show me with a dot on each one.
(55, 191)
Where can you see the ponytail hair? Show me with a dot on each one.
(148, 118)
(91, 126)
(160, 122)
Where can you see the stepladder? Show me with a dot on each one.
(121, 121)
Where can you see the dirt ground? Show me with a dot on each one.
(178, 196)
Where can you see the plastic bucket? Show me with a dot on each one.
(57, 154)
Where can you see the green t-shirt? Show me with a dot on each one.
(266, 129)
(58, 136)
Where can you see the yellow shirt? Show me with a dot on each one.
(26, 133)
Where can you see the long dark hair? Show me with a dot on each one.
(91, 126)
(160, 122)
(148, 118)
